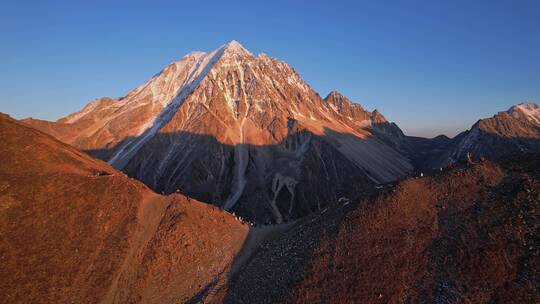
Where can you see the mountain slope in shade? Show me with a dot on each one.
(75, 230)
(511, 132)
(417, 149)
(240, 131)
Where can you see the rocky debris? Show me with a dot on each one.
(278, 265)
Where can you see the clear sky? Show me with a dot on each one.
(431, 66)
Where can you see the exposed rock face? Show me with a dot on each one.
(240, 131)
(75, 230)
(511, 132)
(414, 148)
(359, 116)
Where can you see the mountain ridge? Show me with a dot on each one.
(75, 230)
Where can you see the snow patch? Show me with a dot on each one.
(278, 183)
(197, 74)
(235, 47)
(90, 107)
(241, 152)
(530, 110)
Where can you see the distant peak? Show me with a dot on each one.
(524, 106)
(235, 47)
(195, 54)
(334, 94)
(527, 104)
(527, 110)
(441, 137)
(235, 44)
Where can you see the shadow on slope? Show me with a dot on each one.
(419, 150)
(264, 183)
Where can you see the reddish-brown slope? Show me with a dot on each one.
(61, 131)
(467, 237)
(74, 230)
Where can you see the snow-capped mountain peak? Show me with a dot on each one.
(335, 94)
(526, 110)
(234, 47)
(242, 132)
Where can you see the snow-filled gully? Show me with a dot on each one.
(241, 156)
(126, 152)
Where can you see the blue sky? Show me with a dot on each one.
(431, 66)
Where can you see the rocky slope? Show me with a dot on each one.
(465, 235)
(75, 230)
(511, 132)
(243, 132)
(416, 149)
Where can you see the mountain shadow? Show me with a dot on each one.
(263, 183)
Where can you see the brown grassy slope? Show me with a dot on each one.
(470, 236)
(62, 131)
(69, 236)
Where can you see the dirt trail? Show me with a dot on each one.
(149, 215)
